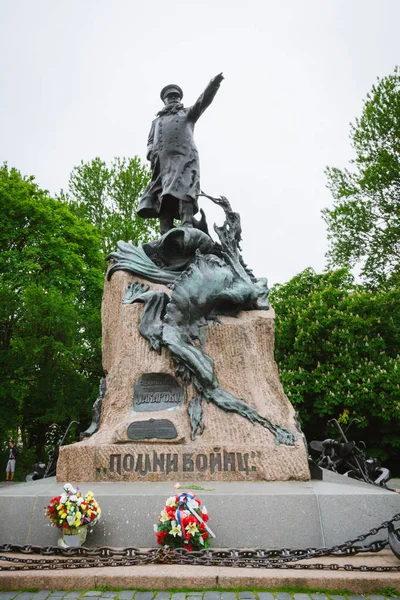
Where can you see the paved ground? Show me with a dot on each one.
(192, 595)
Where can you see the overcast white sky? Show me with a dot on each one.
(81, 78)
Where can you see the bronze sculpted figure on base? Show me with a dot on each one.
(207, 278)
(175, 184)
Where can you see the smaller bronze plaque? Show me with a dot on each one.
(156, 391)
(161, 429)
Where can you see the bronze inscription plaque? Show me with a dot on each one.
(156, 391)
(162, 429)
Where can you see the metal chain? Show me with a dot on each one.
(104, 556)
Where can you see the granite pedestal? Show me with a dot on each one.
(145, 430)
(291, 514)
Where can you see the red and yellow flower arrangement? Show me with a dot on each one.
(183, 523)
(71, 509)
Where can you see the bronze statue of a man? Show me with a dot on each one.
(175, 184)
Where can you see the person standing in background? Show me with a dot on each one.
(12, 459)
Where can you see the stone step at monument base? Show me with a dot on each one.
(292, 514)
(193, 578)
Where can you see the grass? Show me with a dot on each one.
(388, 592)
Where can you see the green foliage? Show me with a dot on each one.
(364, 224)
(51, 285)
(338, 351)
(108, 197)
(391, 592)
(50, 298)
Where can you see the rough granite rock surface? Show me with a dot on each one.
(230, 449)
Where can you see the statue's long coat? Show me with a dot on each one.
(174, 159)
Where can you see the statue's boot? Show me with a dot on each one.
(166, 223)
(186, 213)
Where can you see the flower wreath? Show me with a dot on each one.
(182, 523)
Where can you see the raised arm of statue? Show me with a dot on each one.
(206, 98)
(150, 142)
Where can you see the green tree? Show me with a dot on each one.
(50, 296)
(338, 351)
(108, 197)
(364, 223)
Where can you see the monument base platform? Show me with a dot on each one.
(291, 514)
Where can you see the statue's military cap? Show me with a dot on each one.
(171, 88)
